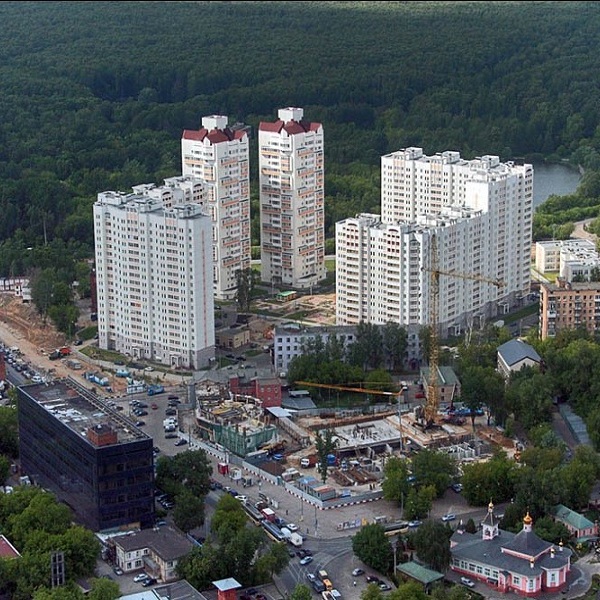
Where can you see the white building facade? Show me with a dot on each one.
(290, 339)
(218, 156)
(480, 213)
(154, 279)
(292, 200)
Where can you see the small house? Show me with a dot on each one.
(581, 528)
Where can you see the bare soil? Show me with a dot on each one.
(21, 326)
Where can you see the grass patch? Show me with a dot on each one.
(96, 353)
(87, 333)
(527, 311)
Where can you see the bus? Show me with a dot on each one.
(254, 514)
(273, 531)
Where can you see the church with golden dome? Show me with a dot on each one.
(521, 563)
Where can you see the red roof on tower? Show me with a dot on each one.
(214, 136)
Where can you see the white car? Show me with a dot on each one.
(242, 499)
(292, 526)
(466, 581)
(140, 577)
(448, 517)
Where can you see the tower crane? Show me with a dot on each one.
(432, 403)
(345, 388)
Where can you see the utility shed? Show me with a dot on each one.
(416, 572)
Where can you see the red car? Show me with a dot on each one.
(154, 406)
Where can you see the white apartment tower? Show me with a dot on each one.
(218, 156)
(292, 200)
(154, 278)
(480, 212)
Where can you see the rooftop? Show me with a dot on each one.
(81, 410)
(164, 541)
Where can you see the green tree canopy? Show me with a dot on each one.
(373, 547)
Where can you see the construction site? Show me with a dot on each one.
(283, 443)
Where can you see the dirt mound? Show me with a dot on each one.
(21, 320)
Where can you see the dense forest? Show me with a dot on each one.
(95, 96)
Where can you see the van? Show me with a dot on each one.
(328, 585)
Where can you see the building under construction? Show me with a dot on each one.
(236, 424)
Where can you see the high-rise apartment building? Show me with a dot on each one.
(218, 156)
(480, 213)
(292, 200)
(154, 277)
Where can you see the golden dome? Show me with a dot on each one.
(527, 519)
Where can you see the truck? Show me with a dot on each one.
(269, 514)
(286, 533)
(169, 425)
(308, 461)
(296, 540)
(155, 389)
(60, 353)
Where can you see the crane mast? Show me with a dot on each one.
(431, 406)
(432, 403)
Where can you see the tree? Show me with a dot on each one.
(373, 547)
(395, 343)
(410, 590)
(395, 483)
(432, 543)
(189, 510)
(456, 592)
(4, 469)
(431, 467)
(324, 446)
(492, 480)
(272, 562)
(419, 501)
(63, 592)
(186, 472)
(244, 279)
(229, 517)
(43, 514)
(9, 431)
(301, 592)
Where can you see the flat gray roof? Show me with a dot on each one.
(80, 410)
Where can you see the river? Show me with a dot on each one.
(548, 180)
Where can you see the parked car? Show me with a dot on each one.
(357, 572)
(373, 579)
(148, 582)
(306, 560)
(413, 524)
(181, 442)
(292, 526)
(466, 581)
(154, 406)
(384, 587)
(448, 517)
(457, 487)
(118, 571)
(141, 577)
